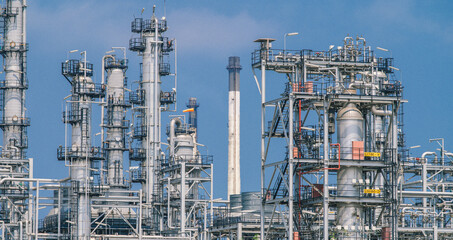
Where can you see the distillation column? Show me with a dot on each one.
(80, 154)
(115, 121)
(14, 52)
(350, 137)
(148, 104)
(234, 174)
(13, 206)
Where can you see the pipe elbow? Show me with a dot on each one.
(380, 112)
(428, 153)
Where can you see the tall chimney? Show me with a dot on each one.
(234, 173)
(193, 115)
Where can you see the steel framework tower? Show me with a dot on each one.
(343, 189)
(187, 183)
(426, 195)
(14, 202)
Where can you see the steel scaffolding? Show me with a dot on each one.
(425, 210)
(344, 189)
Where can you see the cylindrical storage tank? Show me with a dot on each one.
(350, 133)
(251, 201)
(235, 203)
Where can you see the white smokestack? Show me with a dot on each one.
(234, 170)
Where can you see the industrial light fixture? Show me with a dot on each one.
(284, 42)
(394, 68)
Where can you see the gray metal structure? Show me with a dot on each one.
(344, 189)
(186, 178)
(426, 195)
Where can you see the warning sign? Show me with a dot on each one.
(372, 191)
(372, 154)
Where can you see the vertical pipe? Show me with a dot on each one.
(211, 195)
(183, 199)
(37, 209)
(59, 212)
(395, 164)
(140, 215)
(326, 174)
(291, 167)
(263, 156)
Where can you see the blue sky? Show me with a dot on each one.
(419, 34)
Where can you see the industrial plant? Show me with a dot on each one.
(334, 160)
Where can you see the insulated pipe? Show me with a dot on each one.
(380, 112)
(425, 174)
(174, 122)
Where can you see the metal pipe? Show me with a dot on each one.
(174, 122)
(326, 174)
(380, 112)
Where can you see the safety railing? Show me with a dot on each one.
(90, 89)
(167, 97)
(359, 188)
(75, 67)
(137, 154)
(164, 69)
(70, 153)
(14, 121)
(4, 84)
(13, 47)
(192, 159)
(137, 97)
(137, 44)
(139, 131)
(115, 63)
(109, 122)
(9, 11)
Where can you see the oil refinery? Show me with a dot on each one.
(334, 162)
